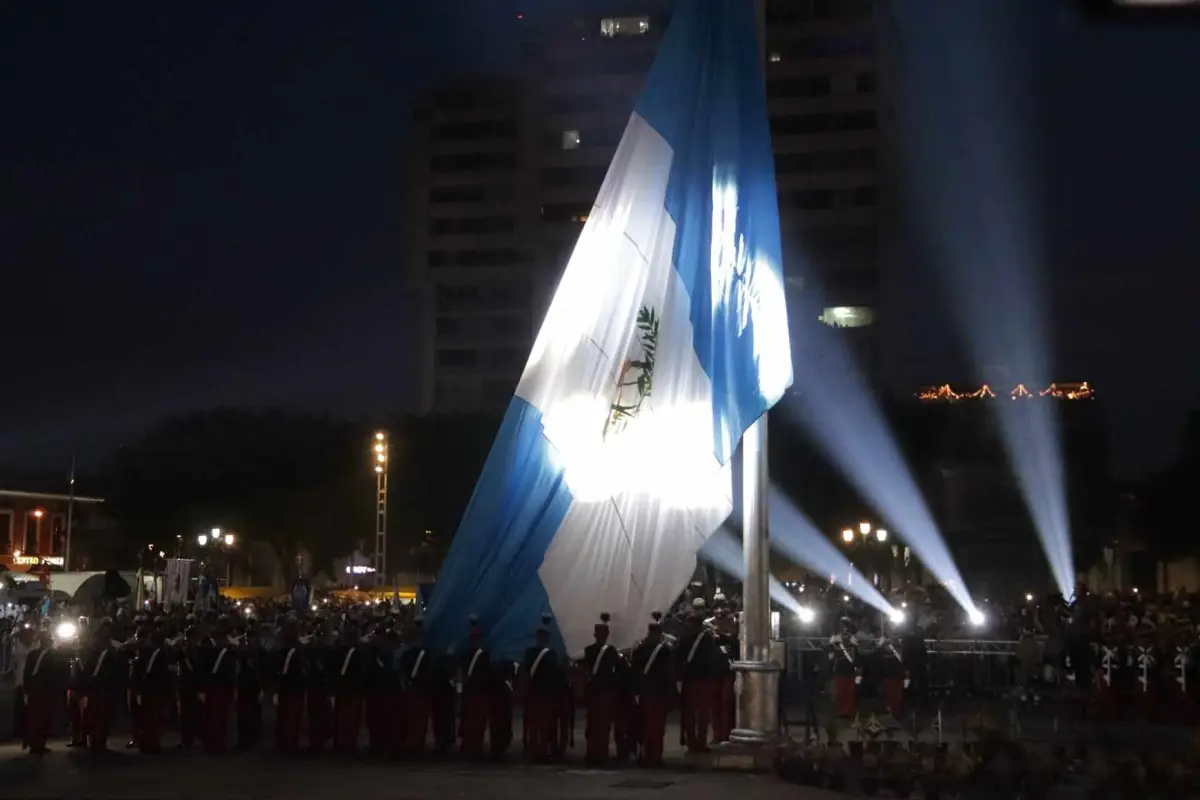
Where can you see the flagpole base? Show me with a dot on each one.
(757, 703)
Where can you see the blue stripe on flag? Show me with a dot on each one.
(491, 570)
(705, 96)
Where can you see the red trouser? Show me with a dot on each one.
(723, 711)
(75, 716)
(540, 723)
(287, 720)
(151, 705)
(97, 718)
(564, 716)
(473, 722)
(39, 717)
(135, 716)
(622, 719)
(893, 695)
(320, 719)
(418, 708)
(189, 716)
(347, 719)
(652, 708)
(698, 696)
(599, 724)
(380, 706)
(843, 691)
(399, 722)
(217, 702)
(248, 706)
(500, 719)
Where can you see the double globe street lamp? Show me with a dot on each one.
(222, 542)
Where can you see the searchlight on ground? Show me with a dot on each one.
(66, 631)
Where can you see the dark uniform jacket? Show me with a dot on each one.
(602, 663)
(541, 668)
(652, 667)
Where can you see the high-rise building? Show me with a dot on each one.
(507, 172)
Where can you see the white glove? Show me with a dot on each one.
(679, 686)
(906, 683)
(138, 699)
(458, 688)
(260, 697)
(200, 697)
(275, 699)
(857, 680)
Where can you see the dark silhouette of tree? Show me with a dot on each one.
(1166, 502)
(285, 479)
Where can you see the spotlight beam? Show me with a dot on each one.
(726, 552)
(794, 535)
(837, 408)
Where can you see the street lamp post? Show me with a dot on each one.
(380, 453)
(222, 542)
(870, 537)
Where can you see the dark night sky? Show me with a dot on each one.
(202, 203)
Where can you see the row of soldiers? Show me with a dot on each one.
(1126, 675)
(328, 689)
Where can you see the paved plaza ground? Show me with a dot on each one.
(68, 773)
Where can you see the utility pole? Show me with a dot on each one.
(70, 517)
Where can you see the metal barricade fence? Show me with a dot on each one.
(969, 667)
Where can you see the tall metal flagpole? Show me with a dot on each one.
(758, 698)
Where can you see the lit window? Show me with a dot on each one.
(774, 58)
(570, 140)
(624, 26)
(848, 316)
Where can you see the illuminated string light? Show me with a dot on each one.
(1060, 391)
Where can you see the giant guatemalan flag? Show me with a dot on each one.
(666, 339)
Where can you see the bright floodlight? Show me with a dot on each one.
(66, 630)
(806, 615)
(847, 536)
(898, 617)
(864, 528)
(202, 539)
(977, 618)
(881, 535)
(1028, 597)
(379, 437)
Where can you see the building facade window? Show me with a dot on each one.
(566, 212)
(612, 27)
(476, 129)
(33, 524)
(58, 535)
(825, 161)
(467, 162)
(802, 124)
(472, 226)
(457, 194)
(807, 86)
(584, 175)
(847, 316)
(570, 140)
(457, 357)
